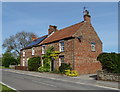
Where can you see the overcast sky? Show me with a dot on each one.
(36, 17)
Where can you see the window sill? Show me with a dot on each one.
(62, 51)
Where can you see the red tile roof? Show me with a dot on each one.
(63, 33)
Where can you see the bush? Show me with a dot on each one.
(71, 73)
(63, 67)
(43, 69)
(110, 62)
(8, 59)
(34, 63)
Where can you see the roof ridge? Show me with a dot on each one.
(63, 33)
(40, 37)
(72, 25)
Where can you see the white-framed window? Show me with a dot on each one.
(23, 53)
(27, 62)
(33, 51)
(61, 60)
(93, 46)
(23, 62)
(61, 46)
(43, 49)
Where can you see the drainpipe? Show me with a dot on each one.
(73, 66)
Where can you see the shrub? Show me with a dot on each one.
(63, 67)
(34, 63)
(43, 69)
(110, 62)
(8, 59)
(71, 73)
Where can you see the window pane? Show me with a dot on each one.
(62, 46)
(93, 46)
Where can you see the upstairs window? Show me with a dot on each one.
(23, 53)
(43, 49)
(61, 46)
(92, 46)
(33, 51)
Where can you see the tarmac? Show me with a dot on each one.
(89, 79)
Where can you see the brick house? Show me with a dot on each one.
(78, 44)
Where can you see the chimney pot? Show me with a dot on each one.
(33, 37)
(52, 29)
(87, 17)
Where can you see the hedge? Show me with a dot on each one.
(34, 63)
(110, 62)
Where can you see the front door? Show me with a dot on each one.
(52, 65)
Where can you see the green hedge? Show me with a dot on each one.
(34, 63)
(110, 62)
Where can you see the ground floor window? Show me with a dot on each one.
(61, 60)
(23, 62)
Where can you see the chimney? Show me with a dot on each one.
(33, 37)
(52, 29)
(87, 17)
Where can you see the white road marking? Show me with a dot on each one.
(8, 86)
(44, 83)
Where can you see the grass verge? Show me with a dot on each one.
(4, 88)
(2, 67)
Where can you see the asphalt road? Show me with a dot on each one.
(24, 82)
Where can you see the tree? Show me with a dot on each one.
(18, 41)
(49, 56)
(8, 59)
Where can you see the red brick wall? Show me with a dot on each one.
(84, 58)
(28, 54)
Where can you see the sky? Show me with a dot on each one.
(37, 16)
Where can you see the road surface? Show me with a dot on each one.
(24, 82)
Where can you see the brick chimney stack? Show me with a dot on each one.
(33, 37)
(52, 29)
(87, 17)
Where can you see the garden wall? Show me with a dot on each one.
(102, 75)
(21, 68)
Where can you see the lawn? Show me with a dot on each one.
(4, 88)
(3, 67)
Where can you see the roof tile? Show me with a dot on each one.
(63, 33)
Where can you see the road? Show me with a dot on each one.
(24, 82)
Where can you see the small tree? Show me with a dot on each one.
(34, 63)
(48, 56)
(8, 59)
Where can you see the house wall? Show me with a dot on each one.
(68, 47)
(85, 59)
(28, 54)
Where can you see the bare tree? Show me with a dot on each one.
(18, 41)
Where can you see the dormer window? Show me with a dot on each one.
(33, 51)
(43, 49)
(93, 46)
(23, 53)
(61, 46)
